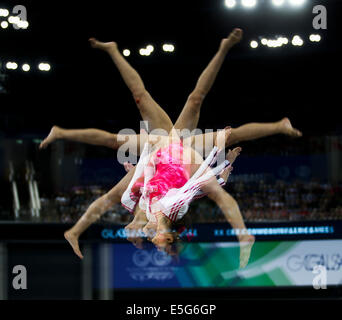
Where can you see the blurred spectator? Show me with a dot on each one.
(259, 200)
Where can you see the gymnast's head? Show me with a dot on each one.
(171, 240)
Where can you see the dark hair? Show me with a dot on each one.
(182, 224)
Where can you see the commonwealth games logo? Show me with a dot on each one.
(151, 265)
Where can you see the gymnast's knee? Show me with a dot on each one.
(139, 95)
(195, 99)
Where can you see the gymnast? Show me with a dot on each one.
(152, 112)
(157, 117)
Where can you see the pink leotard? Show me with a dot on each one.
(170, 172)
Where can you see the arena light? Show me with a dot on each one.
(230, 3)
(283, 40)
(23, 24)
(146, 51)
(4, 12)
(297, 41)
(126, 52)
(13, 20)
(278, 3)
(264, 41)
(44, 66)
(4, 24)
(254, 44)
(297, 3)
(315, 38)
(26, 67)
(11, 65)
(168, 47)
(249, 3)
(150, 48)
(142, 52)
(274, 43)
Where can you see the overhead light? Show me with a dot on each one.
(283, 40)
(278, 3)
(4, 24)
(11, 65)
(271, 43)
(142, 52)
(4, 12)
(44, 66)
(150, 48)
(126, 52)
(297, 2)
(23, 24)
(315, 37)
(274, 43)
(254, 44)
(264, 41)
(230, 3)
(249, 3)
(168, 47)
(14, 20)
(297, 41)
(146, 51)
(26, 67)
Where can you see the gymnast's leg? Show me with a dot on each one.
(246, 132)
(252, 131)
(231, 211)
(149, 109)
(96, 210)
(189, 116)
(90, 136)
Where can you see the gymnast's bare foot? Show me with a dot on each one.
(128, 166)
(73, 240)
(234, 37)
(233, 154)
(246, 244)
(231, 157)
(150, 230)
(105, 46)
(55, 133)
(285, 127)
(134, 229)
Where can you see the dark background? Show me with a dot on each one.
(84, 89)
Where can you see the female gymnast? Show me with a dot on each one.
(151, 111)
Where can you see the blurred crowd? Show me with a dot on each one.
(277, 201)
(258, 201)
(68, 207)
(279, 146)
